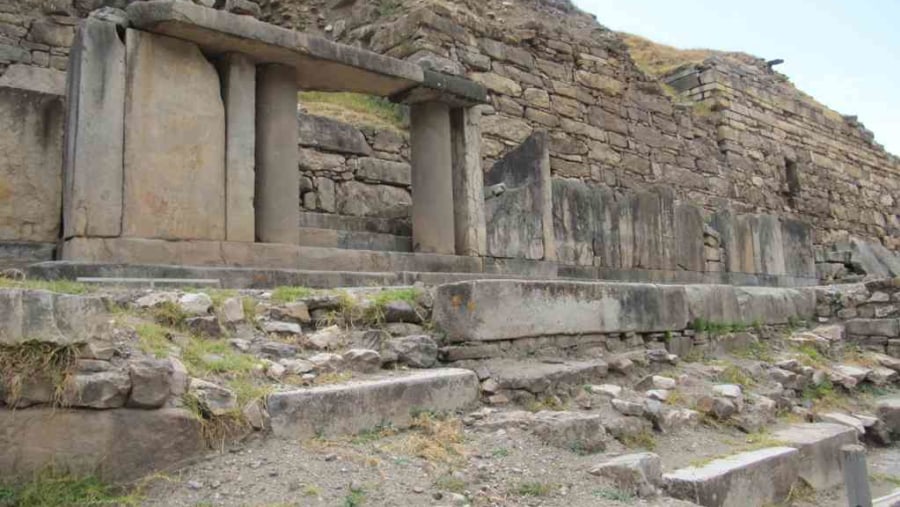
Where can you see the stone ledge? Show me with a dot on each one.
(344, 409)
(820, 451)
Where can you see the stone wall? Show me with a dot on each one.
(549, 66)
(354, 171)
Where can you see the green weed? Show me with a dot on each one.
(450, 483)
(355, 497)
(154, 339)
(733, 374)
(50, 489)
(290, 294)
(529, 488)
(356, 109)
(614, 494)
(60, 286)
(643, 440)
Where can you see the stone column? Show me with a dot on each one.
(277, 173)
(432, 180)
(468, 181)
(238, 75)
(95, 132)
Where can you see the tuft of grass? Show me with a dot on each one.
(374, 313)
(614, 494)
(50, 489)
(432, 439)
(248, 390)
(285, 294)
(203, 358)
(355, 108)
(216, 429)
(883, 477)
(760, 351)
(500, 452)
(61, 286)
(34, 360)
(659, 59)
(355, 497)
(546, 403)
(218, 296)
(449, 483)
(311, 490)
(332, 378)
(380, 431)
(717, 328)
(811, 356)
(154, 339)
(169, 313)
(249, 305)
(643, 440)
(534, 488)
(733, 374)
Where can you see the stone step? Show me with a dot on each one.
(344, 409)
(534, 378)
(115, 445)
(749, 479)
(18, 254)
(819, 445)
(354, 240)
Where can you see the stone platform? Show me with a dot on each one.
(271, 257)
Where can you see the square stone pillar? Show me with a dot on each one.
(238, 75)
(95, 132)
(468, 181)
(277, 172)
(432, 180)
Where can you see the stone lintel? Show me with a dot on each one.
(439, 87)
(319, 63)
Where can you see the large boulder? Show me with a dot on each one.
(639, 473)
(48, 317)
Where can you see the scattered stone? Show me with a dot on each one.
(213, 399)
(279, 349)
(297, 366)
(490, 386)
(881, 376)
(570, 430)
(279, 327)
(207, 326)
(660, 382)
(150, 382)
(295, 312)
(627, 407)
(326, 362)
(195, 303)
(876, 431)
(676, 419)
(362, 360)
(639, 473)
(857, 373)
(756, 415)
(621, 365)
(611, 390)
(401, 311)
(721, 408)
(328, 338)
(403, 328)
(418, 351)
(731, 391)
(155, 299)
(232, 311)
(658, 394)
(844, 419)
(888, 410)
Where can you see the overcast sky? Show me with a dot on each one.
(845, 53)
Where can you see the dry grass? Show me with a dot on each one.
(32, 360)
(355, 109)
(658, 59)
(432, 439)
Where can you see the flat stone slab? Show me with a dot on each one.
(320, 63)
(489, 310)
(820, 451)
(536, 377)
(353, 407)
(116, 445)
(750, 479)
(873, 327)
(61, 319)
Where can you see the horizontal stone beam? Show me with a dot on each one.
(487, 310)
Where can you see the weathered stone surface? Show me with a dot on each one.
(382, 171)
(468, 181)
(101, 390)
(418, 351)
(362, 360)
(213, 399)
(753, 478)
(873, 327)
(326, 339)
(354, 407)
(195, 303)
(277, 178)
(151, 382)
(888, 410)
(61, 319)
(639, 473)
(30, 160)
(570, 430)
(87, 442)
(238, 75)
(519, 220)
(233, 310)
(36, 79)
(174, 141)
(431, 156)
(385, 201)
(820, 451)
(331, 135)
(497, 309)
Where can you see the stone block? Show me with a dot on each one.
(689, 249)
(36, 79)
(638, 473)
(331, 135)
(873, 327)
(750, 479)
(352, 408)
(820, 451)
(61, 319)
(382, 171)
(888, 410)
(468, 181)
(505, 309)
(384, 201)
(114, 445)
(31, 145)
(238, 75)
(174, 184)
(431, 155)
(519, 221)
(277, 178)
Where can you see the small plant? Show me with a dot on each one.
(311, 490)
(733, 374)
(205, 357)
(641, 440)
(529, 488)
(372, 434)
(450, 483)
(60, 286)
(32, 361)
(437, 441)
(500, 452)
(249, 305)
(332, 377)
(355, 497)
(50, 488)
(154, 339)
(290, 294)
(811, 356)
(552, 403)
(668, 336)
(375, 312)
(169, 313)
(614, 494)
